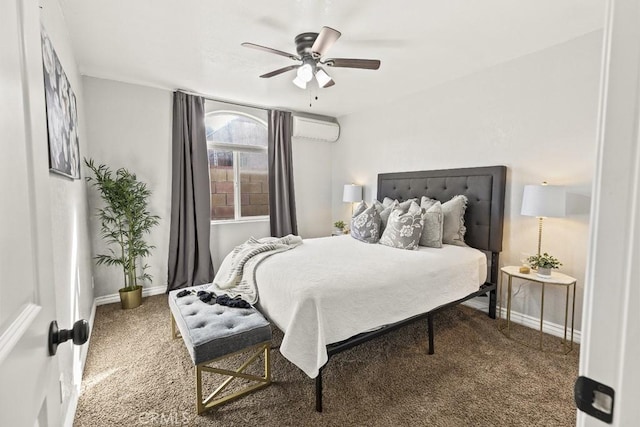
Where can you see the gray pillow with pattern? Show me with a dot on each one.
(384, 211)
(454, 228)
(365, 224)
(404, 228)
(433, 226)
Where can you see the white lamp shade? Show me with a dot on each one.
(352, 193)
(300, 83)
(305, 73)
(322, 77)
(544, 201)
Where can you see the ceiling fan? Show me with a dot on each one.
(311, 48)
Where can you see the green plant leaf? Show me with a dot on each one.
(124, 219)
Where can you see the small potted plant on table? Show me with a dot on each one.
(124, 221)
(339, 228)
(544, 264)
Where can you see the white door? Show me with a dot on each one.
(610, 350)
(29, 388)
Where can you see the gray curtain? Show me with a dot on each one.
(282, 204)
(189, 254)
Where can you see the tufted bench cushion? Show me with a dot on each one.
(211, 331)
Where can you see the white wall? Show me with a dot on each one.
(69, 218)
(130, 126)
(536, 115)
(312, 181)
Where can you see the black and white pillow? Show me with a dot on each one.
(404, 228)
(365, 224)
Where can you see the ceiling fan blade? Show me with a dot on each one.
(367, 64)
(271, 50)
(331, 83)
(279, 71)
(324, 41)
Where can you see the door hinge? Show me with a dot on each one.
(594, 398)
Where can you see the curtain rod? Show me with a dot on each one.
(260, 107)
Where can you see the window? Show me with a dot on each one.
(238, 165)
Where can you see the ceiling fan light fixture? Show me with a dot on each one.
(300, 83)
(310, 60)
(322, 77)
(305, 73)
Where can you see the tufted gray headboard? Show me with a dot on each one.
(483, 186)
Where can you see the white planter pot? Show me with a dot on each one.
(544, 272)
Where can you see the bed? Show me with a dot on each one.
(333, 293)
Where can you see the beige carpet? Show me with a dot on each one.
(136, 375)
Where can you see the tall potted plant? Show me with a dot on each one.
(124, 222)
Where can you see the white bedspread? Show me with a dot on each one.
(236, 275)
(332, 288)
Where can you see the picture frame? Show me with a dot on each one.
(62, 114)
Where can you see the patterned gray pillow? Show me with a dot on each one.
(454, 229)
(433, 226)
(384, 211)
(404, 228)
(362, 206)
(365, 224)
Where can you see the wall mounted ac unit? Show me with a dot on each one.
(319, 130)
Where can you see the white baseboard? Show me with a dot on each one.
(75, 394)
(146, 292)
(525, 320)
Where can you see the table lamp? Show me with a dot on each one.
(543, 201)
(352, 193)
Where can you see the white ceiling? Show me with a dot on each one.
(195, 44)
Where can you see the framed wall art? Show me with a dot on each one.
(62, 114)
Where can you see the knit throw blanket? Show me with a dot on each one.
(236, 275)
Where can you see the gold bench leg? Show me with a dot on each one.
(174, 333)
(211, 402)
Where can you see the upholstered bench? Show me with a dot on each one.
(212, 332)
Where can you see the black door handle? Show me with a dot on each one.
(79, 334)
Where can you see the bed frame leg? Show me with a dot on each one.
(495, 270)
(430, 324)
(319, 391)
(492, 303)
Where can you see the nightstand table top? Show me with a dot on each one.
(556, 278)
